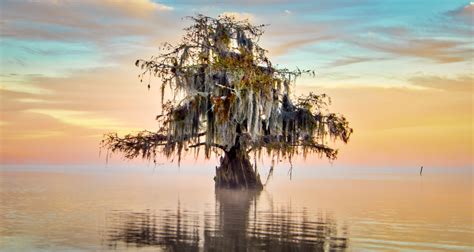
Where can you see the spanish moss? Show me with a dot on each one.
(228, 98)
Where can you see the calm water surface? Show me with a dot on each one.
(64, 211)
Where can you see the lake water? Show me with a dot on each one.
(67, 210)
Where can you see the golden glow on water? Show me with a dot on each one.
(95, 211)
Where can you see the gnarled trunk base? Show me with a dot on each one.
(236, 172)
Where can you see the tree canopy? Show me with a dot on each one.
(226, 93)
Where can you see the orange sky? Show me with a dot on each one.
(407, 90)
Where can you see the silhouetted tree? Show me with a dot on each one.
(228, 98)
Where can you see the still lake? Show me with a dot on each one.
(72, 209)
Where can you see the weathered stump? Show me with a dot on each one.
(236, 171)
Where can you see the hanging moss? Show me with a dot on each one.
(227, 94)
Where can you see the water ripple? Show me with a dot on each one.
(235, 226)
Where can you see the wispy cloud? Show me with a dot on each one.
(463, 83)
(135, 7)
(285, 35)
(354, 60)
(464, 13)
(286, 47)
(407, 44)
(84, 99)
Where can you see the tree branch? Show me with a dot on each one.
(212, 144)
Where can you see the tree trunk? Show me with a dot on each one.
(236, 171)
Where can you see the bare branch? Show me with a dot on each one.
(203, 144)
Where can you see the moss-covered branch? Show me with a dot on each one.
(226, 93)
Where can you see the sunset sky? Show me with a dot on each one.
(401, 71)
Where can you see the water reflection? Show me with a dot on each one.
(237, 223)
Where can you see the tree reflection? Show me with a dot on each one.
(236, 225)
